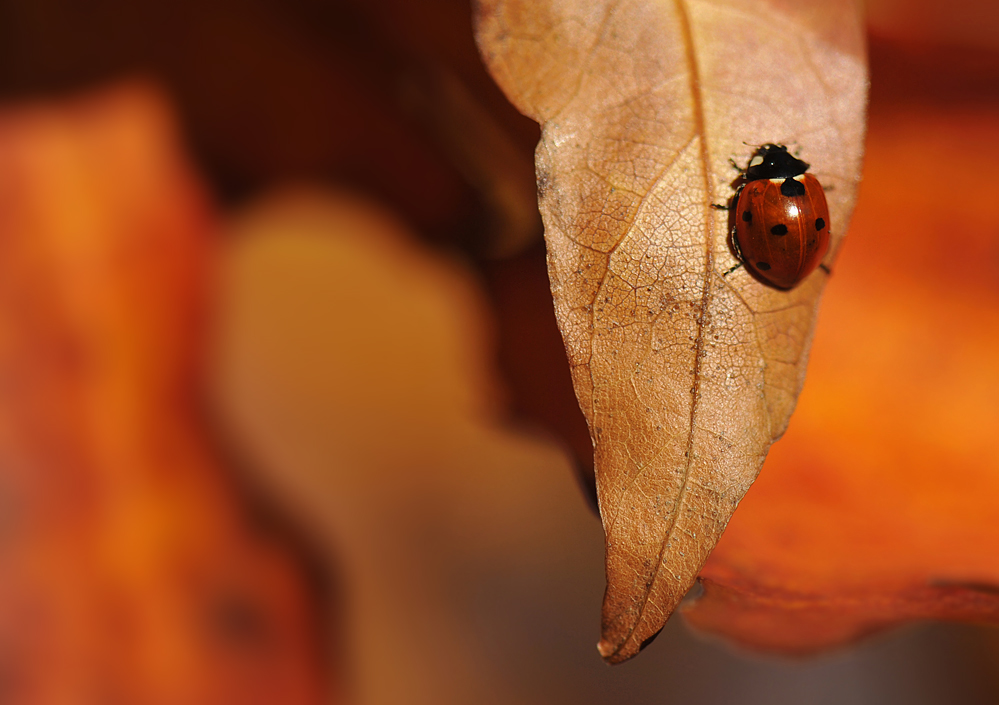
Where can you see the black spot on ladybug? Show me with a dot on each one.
(819, 223)
(791, 188)
(779, 229)
(747, 216)
(763, 265)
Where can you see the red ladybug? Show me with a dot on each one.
(781, 222)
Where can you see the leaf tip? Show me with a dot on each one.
(614, 653)
(608, 651)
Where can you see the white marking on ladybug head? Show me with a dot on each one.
(756, 161)
(799, 177)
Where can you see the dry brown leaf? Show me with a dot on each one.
(685, 376)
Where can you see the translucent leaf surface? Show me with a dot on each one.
(686, 376)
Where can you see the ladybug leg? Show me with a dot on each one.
(730, 205)
(737, 265)
(735, 166)
(825, 269)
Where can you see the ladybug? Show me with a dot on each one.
(780, 224)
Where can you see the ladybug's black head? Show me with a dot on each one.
(773, 161)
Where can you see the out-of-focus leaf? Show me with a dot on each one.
(128, 572)
(278, 90)
(879, 506)
(685, 376)
(375, 418)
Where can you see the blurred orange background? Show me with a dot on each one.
(284, 413)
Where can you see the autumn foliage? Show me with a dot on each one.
(130, 570)
(359, 323)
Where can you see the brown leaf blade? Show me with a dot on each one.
(686, 376)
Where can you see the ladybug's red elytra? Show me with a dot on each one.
(781, 219)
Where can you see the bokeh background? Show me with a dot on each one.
(284, 414)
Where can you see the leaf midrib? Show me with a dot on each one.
(699, 130)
